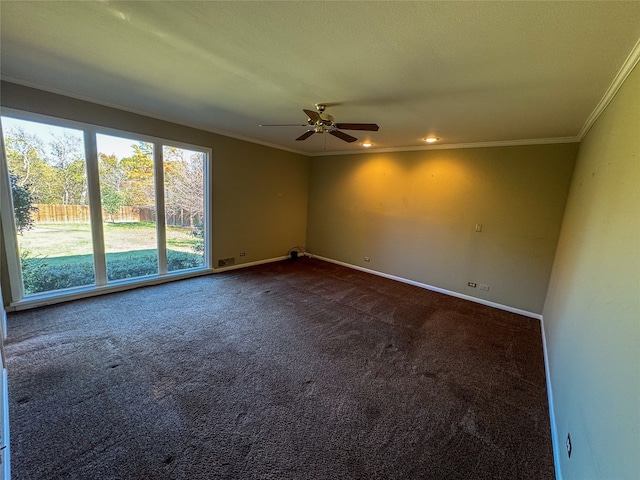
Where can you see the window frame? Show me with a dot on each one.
(90, 131)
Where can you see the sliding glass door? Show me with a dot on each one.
(96, 208)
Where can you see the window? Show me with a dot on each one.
(95, 208)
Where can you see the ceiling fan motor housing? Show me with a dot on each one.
(326, 119)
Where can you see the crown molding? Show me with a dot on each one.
(626, 69)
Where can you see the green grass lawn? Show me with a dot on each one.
(70, 239)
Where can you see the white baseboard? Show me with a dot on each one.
(451, 293)
(5, 468)
(555, 440)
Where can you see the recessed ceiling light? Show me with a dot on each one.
(366, 144)
(431, 139)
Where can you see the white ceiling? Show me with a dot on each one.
(467, 72)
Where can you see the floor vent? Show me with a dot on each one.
(226, 262)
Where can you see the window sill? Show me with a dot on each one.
(59, 296)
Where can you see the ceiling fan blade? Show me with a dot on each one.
(372, 127)
(343, 136)
(283, 125)
(305, 135)
(315, 116)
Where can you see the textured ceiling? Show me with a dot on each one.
(467, 72)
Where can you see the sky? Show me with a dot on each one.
(120, 147)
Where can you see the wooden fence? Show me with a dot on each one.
(48, 213)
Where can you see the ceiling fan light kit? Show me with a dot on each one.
(321, 122)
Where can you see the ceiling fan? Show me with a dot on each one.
(321, 122)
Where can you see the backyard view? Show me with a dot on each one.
(48, 173)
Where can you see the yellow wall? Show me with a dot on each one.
(259, 194)
(414, 215)
(592, 312)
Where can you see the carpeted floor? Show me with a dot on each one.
(292, 370)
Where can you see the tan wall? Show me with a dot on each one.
(414, 215)
(259, 193)
(592, 313)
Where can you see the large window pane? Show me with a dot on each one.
(48, 177)
(94, 221)
(184, 207)
(128, 207)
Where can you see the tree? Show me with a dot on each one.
(67, 156)
(184, 183)
(55, 170)
(112, 201)
(139, 175)
(23, 150)
(22, 204)
(112, 180)
(26, 160)
(110, 172)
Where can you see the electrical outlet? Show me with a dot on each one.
(569, 445)
(471, 284)
(484, 287)
(242, 254)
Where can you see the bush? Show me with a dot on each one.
(183, 260)
(43, 275)
(198, 233)
(39, 276)
(134, 265)
(22, 204)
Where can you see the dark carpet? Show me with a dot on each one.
(290, 370)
